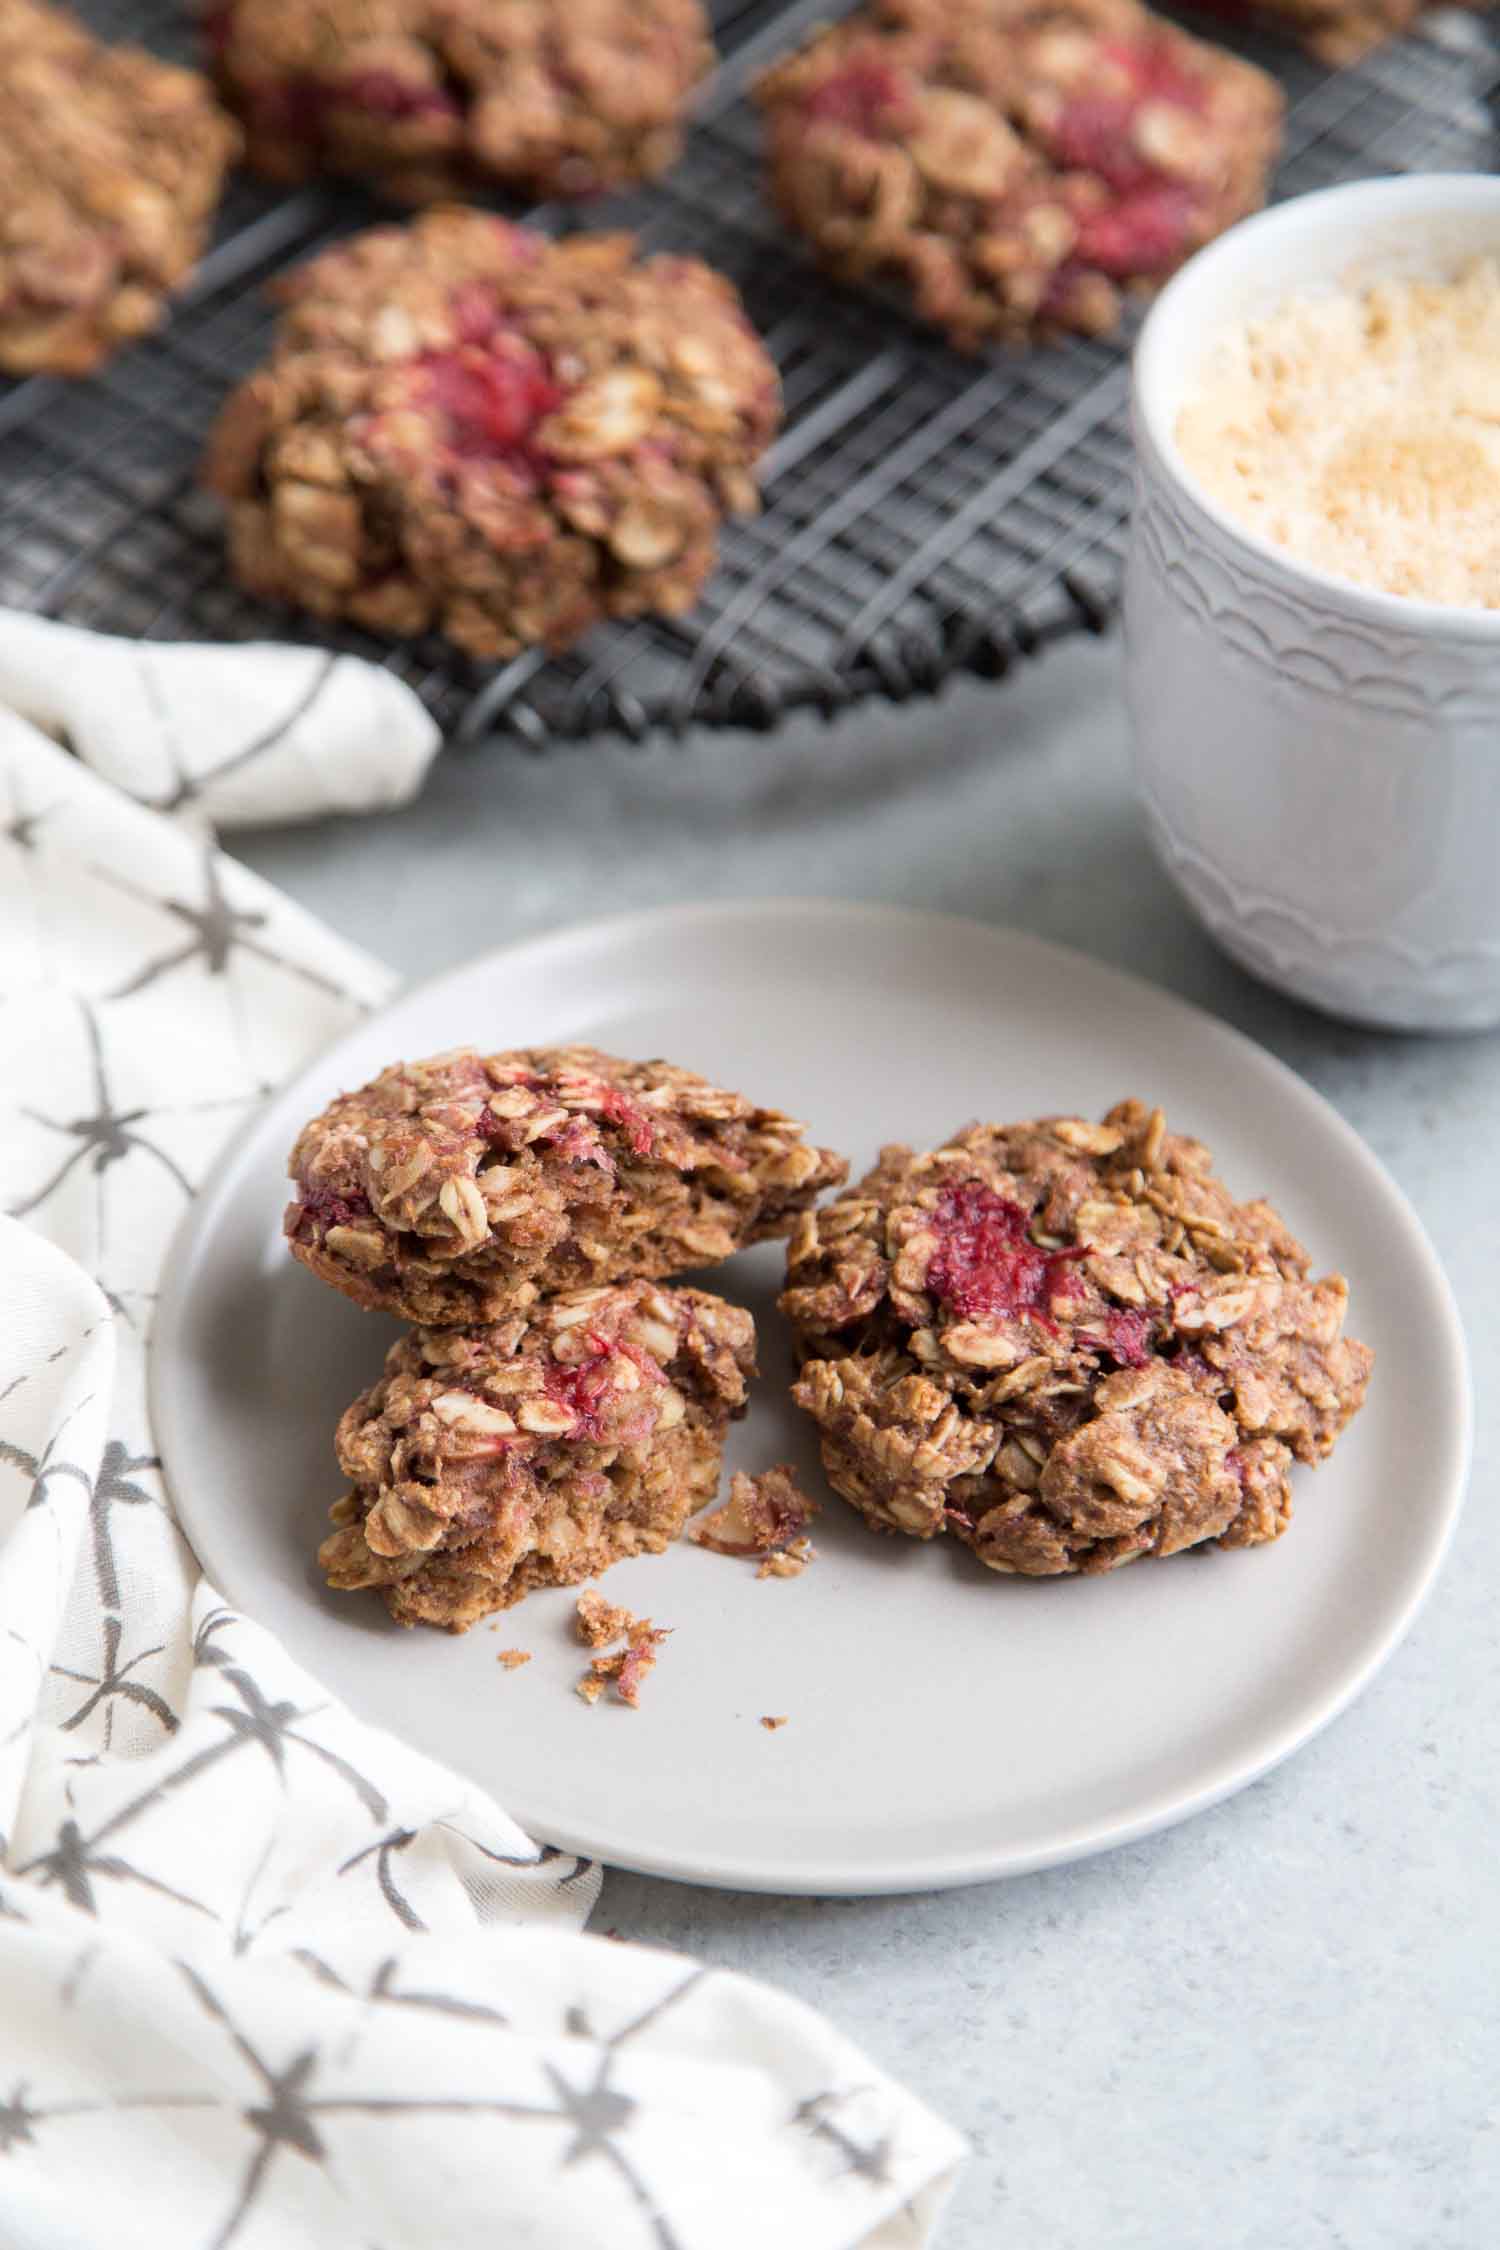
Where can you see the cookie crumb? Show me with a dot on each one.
(791, 1563)
(771, 1725)
(514, 1658)
(626, 1667)
(763, 1519)
(598, 1622)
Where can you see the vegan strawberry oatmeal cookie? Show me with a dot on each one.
(431, 97)
(461, 1188)
(466, 427)
(111, 165)
(488, 1461)
(1018, 164)
(1067, 1345)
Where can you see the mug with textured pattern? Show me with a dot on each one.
(1319, 760)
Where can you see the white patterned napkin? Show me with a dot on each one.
(229, 737)
(267, 1978)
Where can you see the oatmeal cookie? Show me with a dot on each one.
(459, 1188)
(110, 169)
(537, 1451)
(431, 98)
(466, 427)
(1067, 1345)
(1017, 164)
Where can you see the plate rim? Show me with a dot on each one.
(945, 1870)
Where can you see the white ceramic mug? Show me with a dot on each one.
(1320, 762)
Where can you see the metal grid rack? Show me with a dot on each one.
(925, 514)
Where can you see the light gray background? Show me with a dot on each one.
(1274, 2028)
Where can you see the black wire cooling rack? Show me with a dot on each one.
(925, 515)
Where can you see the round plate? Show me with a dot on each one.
(944, 1724)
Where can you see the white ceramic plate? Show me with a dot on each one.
(944, 1724)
